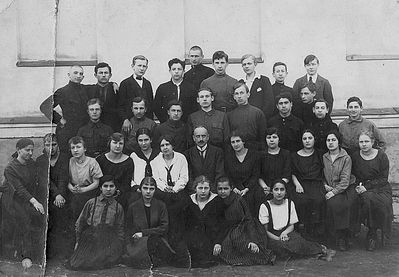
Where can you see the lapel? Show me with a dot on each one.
(255, 86)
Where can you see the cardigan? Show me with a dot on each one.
(337, 173)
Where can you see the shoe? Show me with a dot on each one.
(273, 259)
(371, 245)
(342, 245)
(327, 254)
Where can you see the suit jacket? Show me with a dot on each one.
(212, 166)
(130, 89)
(323, 90)
(136, 220)
(262, 96)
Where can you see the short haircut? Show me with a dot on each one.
(321, 100)
(220, 55)
(279, 181)
(284, 94)
(174, 102)
(200, 180)
(337, 134)
(272, 130)
(279, 63)
(200, 126)
(239, 84)
(76, 140)
(176, 60)
(354, 99)
(106, 178)
(310, 58)
(196, 47)
(236, 133)
(101, 65)
(138, 99)
(76, 65)
(149, 181)
(249, 56)
(24, 142)
(205, 89)
(223, 179)
(143, 131)
(139, 57)
(367, 133)
(308, 131)
(310, 85)
(115, 137)
(50, 137)
(94, 101)
(168, 138)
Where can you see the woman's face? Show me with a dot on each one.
(308, 140)
(144, 142)
(332, 142)
(224, 189)
(166, 147)
(236, 143)
(365, 143)
(78, 150)
(278, 191)
(203, 190)
(25, 153)
(116, 146)
(272, 141)
(108, 188)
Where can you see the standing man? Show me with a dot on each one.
(198, 71)
(107, 92)
(71, 99)
(134, 86)
(220, 83)
(176, 89)
(323, 87)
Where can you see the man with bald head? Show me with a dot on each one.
(67, 107)
(203, 158)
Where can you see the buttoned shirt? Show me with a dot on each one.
(95, 136)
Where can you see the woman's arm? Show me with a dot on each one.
(162, 228)
(298, 186)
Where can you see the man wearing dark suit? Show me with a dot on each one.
(176, 89)
(203, 158)
(135, 85)
(107, 92)
(323, 87)
(198, 71)
(71, 99)
(280, 72)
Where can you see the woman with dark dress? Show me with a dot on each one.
(204, 216)
(99, 230)
(23, 219)
(242, 167)
(339, 195)
(245, 242)
(371, 169)
(308, 191)
(275, 162)
(120, 166)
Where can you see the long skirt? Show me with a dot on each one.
(98, 247)
(235, 249)
(295, 246)
(78, 201)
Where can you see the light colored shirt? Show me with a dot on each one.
(279, 214)
(82, 174)
(250, 82)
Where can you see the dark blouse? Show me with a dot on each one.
(276, 166)
(307, 168)
(372, 173)
(243, 175)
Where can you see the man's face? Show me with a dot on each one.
(306, 95)
(280, 73)
(94, 111)
(140, 67)
(220, 66)
(200, 136)
(176, 71)
(205, 98)
(354, 110)
(284, 106)
(138, 109)
(175, 112)
(248, 65)
(103, 75)
(75, 74)
(311, 68)
(51, 148)
(195, 57)
(241, 96)
(320, 110)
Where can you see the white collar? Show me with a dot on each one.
(314, 77)
(257, 75)
(194, 199)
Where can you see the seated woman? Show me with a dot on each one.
(371, 169)
(119, 165)
(275, 162)
(99, 230)
(242, 167)
(245, 242)
(146, 229)
(339, 196)
(143, 157)
(278, 217)
(204, 217)
(23, 216)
